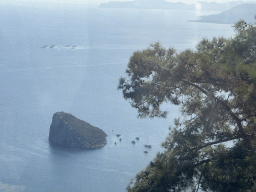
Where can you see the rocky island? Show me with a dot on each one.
(68, 131)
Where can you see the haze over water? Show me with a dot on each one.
(79, 75)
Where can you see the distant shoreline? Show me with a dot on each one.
(153, 4)
(231, 16)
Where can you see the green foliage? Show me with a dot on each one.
(215, 88)
(89, 133)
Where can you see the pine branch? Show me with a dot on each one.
(188, 156)
(227, 108)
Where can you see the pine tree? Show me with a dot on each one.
(212, 145)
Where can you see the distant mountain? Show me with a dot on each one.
(162, 4)
(213, 6)
(244, 11)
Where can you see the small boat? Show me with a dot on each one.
(133, 142)
(118, 135)
(45, 46)
(137, 138)
(52, 46)
(115, 143)
(120, 139)
(145, 151)
(148, 146)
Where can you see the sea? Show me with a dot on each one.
(69, 58)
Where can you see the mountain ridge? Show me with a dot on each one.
(231, 16)
(162, 4)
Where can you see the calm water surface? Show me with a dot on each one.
(79, 75)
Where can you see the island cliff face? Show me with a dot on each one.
(68, 131)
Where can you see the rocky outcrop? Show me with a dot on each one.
(68, 131)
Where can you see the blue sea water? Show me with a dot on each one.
(79, 75)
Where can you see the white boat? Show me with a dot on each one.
(133, 142)
(118, 135)
(137, 138)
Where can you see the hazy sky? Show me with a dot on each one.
(97, 2)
